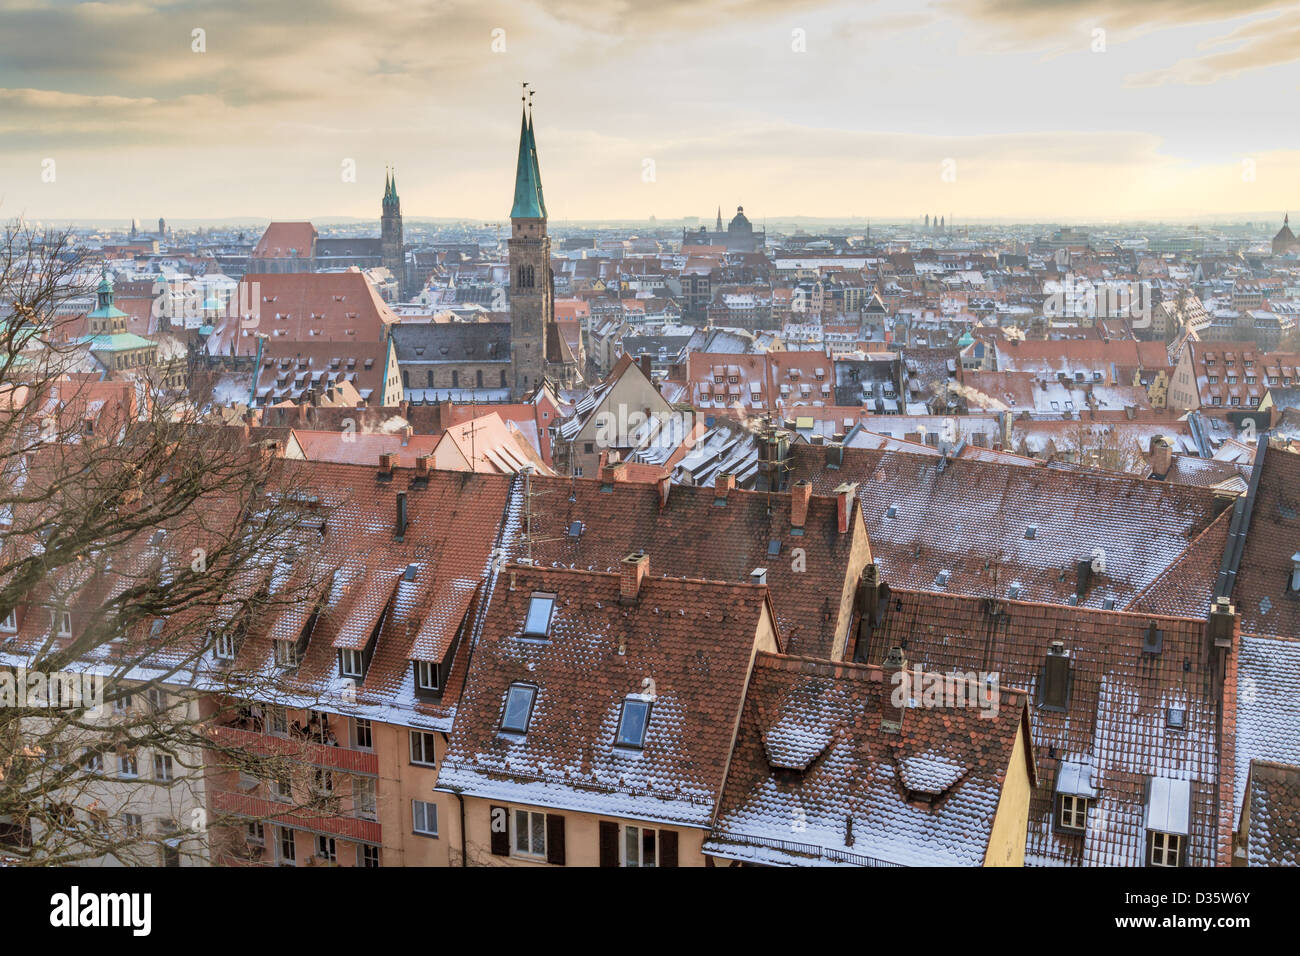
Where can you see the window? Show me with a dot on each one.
(10, 621)
(538, 623)
(351, 663)
(255, 834)
(132, 824)
(162, 767)
(127, 765)
(422, 749)
(519, 708)
(157, 698)
(361, 735)
(93, 761)
(286, 654)
(426, 675)
(323, 782)
(287, 847)
(529, 838)
(122, 704)
(279, 721)
(363, 797)
(326, 849)
(632, 723)
(64, 620)
(368, 856)
(283, 788)
(1165, 848)
(1074, 812)
(424, 818)
(640, 846)
(223, 647)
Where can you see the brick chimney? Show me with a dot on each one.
(612, 474)
(724, 483)
(387, 462)
(1162, 456)
(897, 691)
(665, 485)
(646, 363)
(424, 465)
(844, 496)
(635, 567)
(800, 495)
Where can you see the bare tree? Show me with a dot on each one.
(137, 546)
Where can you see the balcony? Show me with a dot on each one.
(259, 808)
(342, 759)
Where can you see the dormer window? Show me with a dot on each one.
(352, 663)
(538, 622)
(10, 621)
(1167, 816)
(519, 708)
(632, 723)
(286, 654)
(426, 676)
(1074, 794)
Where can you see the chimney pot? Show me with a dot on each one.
(894, 700)
(758, 576)
(800, 495)
(665, 485)
(844, 496)
(646, 362)
(634, 570)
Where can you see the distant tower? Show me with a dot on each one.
(719, 225)
(532, 295)
(135, 226)
(927, 220)
(162, 227)
(392, 249)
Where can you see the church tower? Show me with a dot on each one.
(532, 295)
(392, 249)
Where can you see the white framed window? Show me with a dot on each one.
(157, 698)
(132, 824)
(255, 834)
(640, 846)
(64, 621)
(122, 704)
(93, 761)
(323, 782)
(422, 749)
(10, 621)
(1074, 812)
(518, 708)
(426, 675)
(424, 818)
(362, 738)
(1165, 848)
(283, 788)
(286, 655)
(364, 803)
(326, 849)
(351, 663)
(368, 856)
(528, 838)
(162, 767)
(127, 765)
(223, 648)
(287, 848)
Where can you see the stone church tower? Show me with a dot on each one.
(537, 349)
(391, 246)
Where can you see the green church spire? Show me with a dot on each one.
(528, 185)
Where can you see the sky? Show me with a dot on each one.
(1094, 110)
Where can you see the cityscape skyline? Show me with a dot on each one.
(1008, 111)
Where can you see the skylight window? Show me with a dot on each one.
(773, 548)
(540, 607)
(519, 708)
(632, 723)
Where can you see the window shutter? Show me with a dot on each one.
(608, 843)
(667, 848)
(555, 839)
(499, 819)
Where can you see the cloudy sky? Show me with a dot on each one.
(1025, 109)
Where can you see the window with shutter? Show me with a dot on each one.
(667, 848)
(499, 822)
(555, 839)
(608, 843)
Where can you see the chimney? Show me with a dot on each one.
(1083, 577)
(424, 465)
(387, 462)
(897, 692)
(665, 485)
(302, 411)
(1162, 456)
(611, 474)
(407, 432)
(401, 515)
(844, 504)
(724, 483)
(646, 363)
(758, 576)
(800, 495)
(635, 568)
(835, 452)
(1223, 619)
